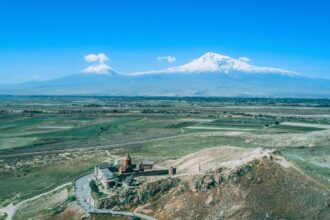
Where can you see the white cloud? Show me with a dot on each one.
(101, 57)
(244, 59)
(169, 59)
(101, 67)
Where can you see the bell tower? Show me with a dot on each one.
(127, 162)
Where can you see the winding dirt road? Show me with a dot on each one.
(11, 208)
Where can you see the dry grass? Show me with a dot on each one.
(210, 158)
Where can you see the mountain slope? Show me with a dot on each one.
(210, 75)
(251, 184)
(228, 183)
(213, 62)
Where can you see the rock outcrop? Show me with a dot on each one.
(129, 198)
(259, 186)
(263, 188)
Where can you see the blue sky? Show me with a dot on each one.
(41, 40)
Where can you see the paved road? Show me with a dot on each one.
(83, 194)
(11, 209)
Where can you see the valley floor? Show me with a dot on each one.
(48, 141)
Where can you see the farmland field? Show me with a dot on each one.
(48, 141)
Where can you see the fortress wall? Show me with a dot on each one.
(146, 173)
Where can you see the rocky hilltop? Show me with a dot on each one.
(229, 183)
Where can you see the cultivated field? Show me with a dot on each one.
(48, 141)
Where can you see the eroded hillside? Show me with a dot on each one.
(249, 184)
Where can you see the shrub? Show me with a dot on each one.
(71, 198)
(93, 186)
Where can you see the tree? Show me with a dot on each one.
(93, 186)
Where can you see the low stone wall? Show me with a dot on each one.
(74, 180)
(146, 173)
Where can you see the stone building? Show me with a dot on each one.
(105, 175)
(111, 176)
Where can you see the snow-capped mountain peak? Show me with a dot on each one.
(209, 62)
(213, 62)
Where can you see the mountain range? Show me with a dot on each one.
(209, 75)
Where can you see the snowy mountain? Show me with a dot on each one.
(210, 75)
(213, 62)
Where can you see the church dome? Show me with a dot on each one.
(127, 157)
